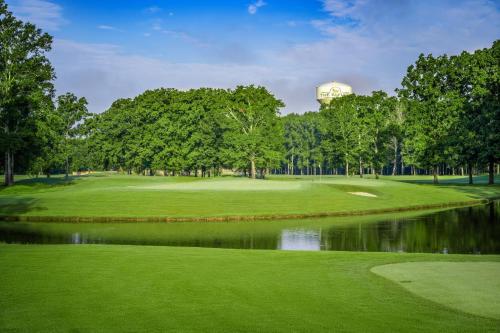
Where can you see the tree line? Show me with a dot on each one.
(194, 132)
(445, 118)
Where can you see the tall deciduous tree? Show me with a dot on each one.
(25, 80)
(256, 129)
(72, 112)
(341, 128)
(484, 104)
(434, 111)
(382, 128)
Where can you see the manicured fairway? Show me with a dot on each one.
(157, 289)
(137, 196)
(472, 287)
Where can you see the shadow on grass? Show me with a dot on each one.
(10, 206)
(40, 183)
(479, 190)
(478, 180)
(491, 192)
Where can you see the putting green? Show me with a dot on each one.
(227, 185)
(472, 287)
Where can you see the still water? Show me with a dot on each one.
(463, 230)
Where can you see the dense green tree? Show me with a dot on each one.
(302, 135)
(434, 111)
(341, 128)
(453, 112)
(482, 88)
(256, 133)
(382, 131)
(47, 140)
(25, 82)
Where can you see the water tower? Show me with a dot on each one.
(330, 90)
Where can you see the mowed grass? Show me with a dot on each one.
(472, 287)
(138, 196)
(93, 288)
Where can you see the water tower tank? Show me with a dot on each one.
(330, 90)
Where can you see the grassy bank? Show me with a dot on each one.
(156, 289)
(114, 197)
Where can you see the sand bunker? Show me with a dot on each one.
(363, 194)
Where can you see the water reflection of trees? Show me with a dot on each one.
(467, 230)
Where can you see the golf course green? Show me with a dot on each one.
(136, 288)
(117, 196)
(99, 288)
(467, 286)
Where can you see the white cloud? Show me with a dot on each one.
(153, 10)
(108, 27)
(254, 7)
(103, 74)
(370, 44)
(43, 13)
(157, 24)
(341, 8)
(185, 37)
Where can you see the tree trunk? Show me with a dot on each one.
(360, 168)
(252, 168)
(67, 167)
(9, 168)
(469, 170)
(347, 168)
(395, 165)
(491, 172)
(435, 172)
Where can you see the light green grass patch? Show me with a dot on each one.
(241, 184)
(472, 287)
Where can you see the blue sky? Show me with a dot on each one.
(110, 49)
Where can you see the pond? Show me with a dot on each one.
(463, 230)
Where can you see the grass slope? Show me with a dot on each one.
(157, 289)
(136, 196)
(472, 287)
